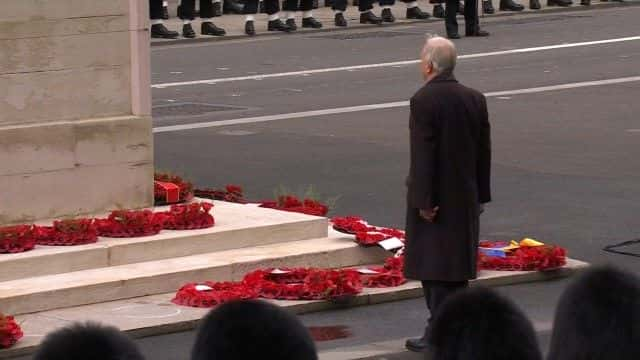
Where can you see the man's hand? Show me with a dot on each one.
(429, 214)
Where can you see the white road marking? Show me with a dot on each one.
(389, 64)
(395, 104)
(633, 130)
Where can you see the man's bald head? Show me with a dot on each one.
(440, 53)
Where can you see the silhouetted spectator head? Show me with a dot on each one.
(479, 324)
(598, 318)
(83, 341)
(249, 330)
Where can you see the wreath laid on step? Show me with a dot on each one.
(189, 216)
(293, 204)
(67, 233)
(131, 223)
(231, 193)
(171, 189)
(523, 256)
(18, 238)
(10, 331)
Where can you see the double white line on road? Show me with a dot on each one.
(390, 64)
(395, 104)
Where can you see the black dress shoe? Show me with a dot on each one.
(311, 23)
(165, 13)
(561, 3)
(387, 16)
(535, 5)
(209, 28)
(217, 9)
(477, 33)
(453, 36)
(416, 345)
(416, 13)
(487, 7)
(510, 5)
(370, 18)
(277, 25)
(340, 21)
(291, 23)
(232, 7)
(438, 11)
(249, 28)
(187, 31)
(585, 2)
(159, 31)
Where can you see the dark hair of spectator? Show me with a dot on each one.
(250, 330)
(479, 324)
(598, 317)
(83, 341)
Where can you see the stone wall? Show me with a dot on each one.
(75, 123)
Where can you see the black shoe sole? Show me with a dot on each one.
(415, 349)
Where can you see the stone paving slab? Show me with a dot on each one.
(156, 315)
(234, 24)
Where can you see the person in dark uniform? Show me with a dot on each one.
(272, 8)
(471, 21)
(207, 12)
(156, 14)
(413, 11)
(364, 6)
(306, 6)
(448, 182)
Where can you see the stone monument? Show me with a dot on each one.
(75, 108)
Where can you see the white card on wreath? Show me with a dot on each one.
(391, 244)
(203, 288)
(279, 272)
(365, 271)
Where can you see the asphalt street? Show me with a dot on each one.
(566, 161)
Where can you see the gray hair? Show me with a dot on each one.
(440, 52)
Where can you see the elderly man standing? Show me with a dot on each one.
(448, 180)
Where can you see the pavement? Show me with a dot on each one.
(234, 24)
(329, 110)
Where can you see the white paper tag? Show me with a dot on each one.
(279, 272)
(365, 271)
(391, 244)
(203, 288)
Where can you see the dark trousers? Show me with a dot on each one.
(470, 16)
(270, 6)
(392, 2)
(155, 9)
(297, 5)
(188, 9)
(363, 5)
(436, 292)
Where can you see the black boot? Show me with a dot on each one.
(369, 18)
(340, 21)
(387, 16)
(510, 5)
(165, 13)
(249, 28)
(311, 23)
(416, 13)
(209, 28)
(159, 31)
(453, 36)
(417, 345)
(291, 23)
(277, 25)
(535, 5)
(585, 2)
(438, 11)
(187, 31)
(476, 33)
(232, 7)
(487, 7)
(217, 9)
(561, 3)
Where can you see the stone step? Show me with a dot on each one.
(237, 226)
(156, 315)
(163, 276)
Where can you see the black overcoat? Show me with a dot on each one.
(450, 168)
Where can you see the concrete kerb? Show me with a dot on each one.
(398, 23)
(407, 291)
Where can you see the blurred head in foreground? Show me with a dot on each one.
(598, 317)
(479, 324)
(83, 341)
(249, 330)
